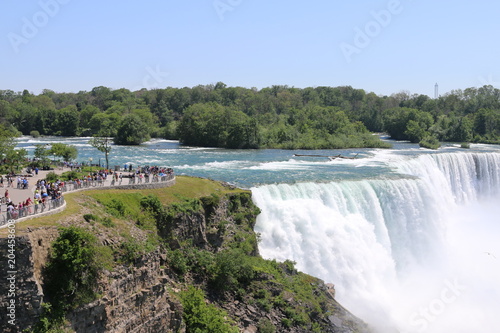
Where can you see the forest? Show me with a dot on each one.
(283, 117)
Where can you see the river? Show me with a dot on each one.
(408, 236)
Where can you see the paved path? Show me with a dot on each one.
(18, 195)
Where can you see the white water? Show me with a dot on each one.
(416, 253)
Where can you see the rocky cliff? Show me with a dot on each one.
(204, 242)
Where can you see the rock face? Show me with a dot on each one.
(27, 289)
(135, 299)
(141, 296)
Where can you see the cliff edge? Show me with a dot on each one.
(180, 259)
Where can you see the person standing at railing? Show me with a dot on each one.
(20, 209)
(28, 204)
(35, 203)
(10, 211)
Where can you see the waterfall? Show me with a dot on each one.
(398, 248)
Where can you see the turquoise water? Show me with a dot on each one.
(249, 168)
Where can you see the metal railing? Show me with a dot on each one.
(90, 183)
(34, 209)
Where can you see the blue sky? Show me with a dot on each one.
(381, 46)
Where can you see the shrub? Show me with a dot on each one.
(130, 251)
(73, 268)
(116, 208)
(232, 269)
(70, 175)
(202, 317)
(107, 222)
(35, 134)
(90, 217)
(266, 326)
(286, 322)
(51, 177)
(465, 145)
(152, 204)
(430, 142)
(179, 261)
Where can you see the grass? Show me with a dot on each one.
(185, 187)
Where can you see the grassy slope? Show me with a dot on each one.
(185, 187)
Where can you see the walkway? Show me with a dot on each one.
(18, 195)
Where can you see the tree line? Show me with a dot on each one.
(274, 117)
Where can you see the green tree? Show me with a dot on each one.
(11, 159)
(103, 144)
(42, 153)
(132, 130)
(68, 121)
(67, 152)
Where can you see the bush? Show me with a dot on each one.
(430, 142)
(152, 204)
(465, 145)
(70, 175)
(90, 217)
(130, 251)
(232, 269)
(116, 208)
(51, 177)
(35, 134)
(107, 222)
(202, 317)
(179, 261)
(73, 268)
(265, 326)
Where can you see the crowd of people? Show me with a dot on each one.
(48, 195)
(44, 192)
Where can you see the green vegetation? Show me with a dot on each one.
(202, 317)
(11, 159)
(67, 152)
(430, 142)
(73, 268)
(103, 144)
(71, 274)
(35, 134)
(273, 117)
